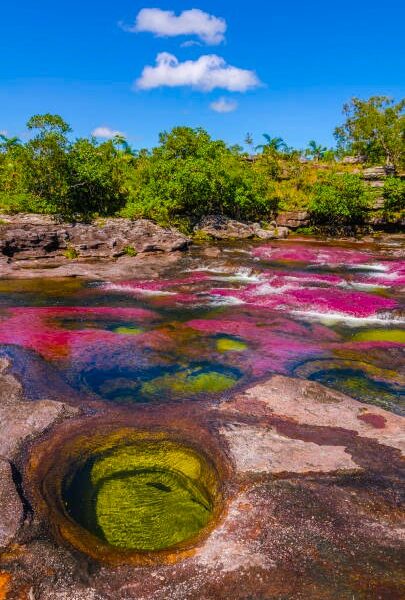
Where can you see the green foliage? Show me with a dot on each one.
(70, 253)
(96, 179)
(394, 194)
(130, 251)
(374, 128)
(189, 175)
(339, 199)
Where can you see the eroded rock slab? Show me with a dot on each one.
(11, 509)
(259, 449)
(311, 403)
(22, 421)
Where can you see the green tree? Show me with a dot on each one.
(189, 175)
(339, 200)
(374, 128)
(97, 179)
(46, 160)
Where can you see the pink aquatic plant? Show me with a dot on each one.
(315, 255)
(42, 329)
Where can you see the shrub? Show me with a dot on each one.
(394, 194)
(130, 251)
(339, 200)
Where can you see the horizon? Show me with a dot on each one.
(138, 71)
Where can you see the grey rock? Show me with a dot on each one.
(22, 421)
(378, 172)
(24, 237)
(11, 509)
(220, 227)
(293, 219)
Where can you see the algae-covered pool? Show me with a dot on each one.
(142, 496)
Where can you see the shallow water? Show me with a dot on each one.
(329, 312)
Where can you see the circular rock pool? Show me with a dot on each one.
(130, 496)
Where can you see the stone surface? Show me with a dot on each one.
(222, 228)
(378, 172)
(311, 403)
(293, 219)
(25, 237)
(11, 509)
(22, 421)
(263, 450)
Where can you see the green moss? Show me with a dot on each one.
(128, 330)
(130, 251)
(143, 496)
(230, 345)
(381, 335)
(70, 253)
(190, 382)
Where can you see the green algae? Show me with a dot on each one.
(226, 344)
(128, 330)
(381, 335)
(145, 496)
(190, 382)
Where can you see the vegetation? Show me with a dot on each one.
(375, 129)
(339, 200)
(189, 175)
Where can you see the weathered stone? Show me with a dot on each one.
(310, 403)
(11, 509)
(25, 237)
(21, 421)
(353, 160)
(293, 219)
(378, 172)
(219, 227)
(263, 450)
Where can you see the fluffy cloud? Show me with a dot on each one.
(222, 105)
(207, 73)
(106, 132)
(166, 23)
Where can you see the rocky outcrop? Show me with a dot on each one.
(378, 172)
(220, 227)
(293, 219)
(36, 236)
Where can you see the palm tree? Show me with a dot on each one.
(276, 144)
(315, 151)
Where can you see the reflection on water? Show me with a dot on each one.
(327, 312)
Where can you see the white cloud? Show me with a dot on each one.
(106, 132)
(165, 23)
(4, 132)
(207, 73)
(223, 105)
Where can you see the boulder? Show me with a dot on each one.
(34, 237)
(11, 509)
(293, 219)
(378, 172)
(220, 227)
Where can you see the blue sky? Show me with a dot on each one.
(73, 58)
